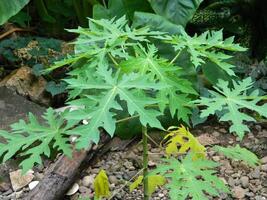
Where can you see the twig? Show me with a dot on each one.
(7, 33)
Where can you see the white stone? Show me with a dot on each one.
(33, 184)
(73, 189)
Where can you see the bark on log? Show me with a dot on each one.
(59, 177)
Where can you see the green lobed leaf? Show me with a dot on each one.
(111, 87)
(188, 178)
(176, 95)
(33, 139)
(231, 101)
(208, 45)
(239, 153)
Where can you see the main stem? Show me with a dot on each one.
(145, 162)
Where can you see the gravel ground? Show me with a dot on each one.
(122, 166)
(244, 182)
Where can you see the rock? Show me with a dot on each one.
(264, 168)
(88, 180)
(129, 165)
(4, 186)
(231, 181)
(216, 134)
(264, 160)
(208, 139)
(244, 181)
(18, 194)
(256, 173)
(33, 184)
(83, 189)
(113, 179)
(39, 176)
(18, 180)
(26, 84)
(216, 158)
(161, 195)
(260, 198)
(151, 163)
(73, 189)
(15, 107)
(239, 192)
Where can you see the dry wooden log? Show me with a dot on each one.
(62, 174)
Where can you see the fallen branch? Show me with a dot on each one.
(62, 174)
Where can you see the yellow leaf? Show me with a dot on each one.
(153, 182)
(136, 183)
(101, 185)
(181, 141)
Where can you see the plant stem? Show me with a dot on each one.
(113, 59)
(145, 162)
(174, 59)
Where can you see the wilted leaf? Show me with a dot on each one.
(153, 182)
(101, 185)
(181, 140)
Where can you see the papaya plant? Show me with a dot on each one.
(186, 170)
(117, 68)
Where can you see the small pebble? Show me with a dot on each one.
(73, 189)
(244, 181)
(88, 180)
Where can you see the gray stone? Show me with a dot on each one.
(83, 189)
(264, 160)
(256, 173)
(88, 180)
(14, 107)
(231, 181)
(113, 179)
(244, 181)
(264, 168)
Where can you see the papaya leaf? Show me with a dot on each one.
(24, 137)
(207, 46)
(231, 101)
(187, 178)
(154, 181)
(180, 140)
(110, 87)
(101, 185)
(239, 153)
(136, 183)
(176, 95)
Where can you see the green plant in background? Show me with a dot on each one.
(244, 19)
(37, 53)
(116, 68)
(10, 8)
